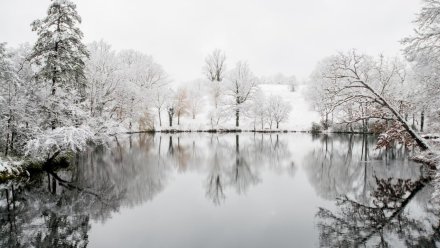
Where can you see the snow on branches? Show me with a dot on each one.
(395, 134)
(353, 81)
(58, 141)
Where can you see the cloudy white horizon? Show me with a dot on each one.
(277, 36)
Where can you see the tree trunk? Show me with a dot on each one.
(278, 125)
(11, 145)
(422, 120)
(237, 144)
(54, 81)
(237, 118)
(7, 144)
(8, 138)
(160, 118)
(178, 119)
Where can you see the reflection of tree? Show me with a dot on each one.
(242, 175)
(63, 231)
(272, 150)
(381, 221)
(54, 209)
(240, 171)
(40, 215)
(180, 153)
(215, 182)
(346, 164)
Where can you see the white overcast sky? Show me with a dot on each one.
(274, 36)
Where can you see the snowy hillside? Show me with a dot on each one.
(300, 117)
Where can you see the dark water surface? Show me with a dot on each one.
(226, 190)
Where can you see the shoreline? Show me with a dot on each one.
(27, 168)
(241, 131)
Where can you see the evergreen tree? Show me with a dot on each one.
(60, 56)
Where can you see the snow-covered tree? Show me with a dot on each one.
(423, 49)
(357, 78)
(241, 84)
(9, 99)
(181, 103)
(140, 76)
(170, 106)
(316, 92)
(102, 77)
(215, 71)
(160, 97)
(259, 109)
(215, 66)
(141, 69)
(60, 56)
(195, 102)
(278, 110)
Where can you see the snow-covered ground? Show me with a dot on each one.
(302, 114)
(300, 117)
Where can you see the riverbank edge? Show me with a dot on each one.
(241, 131)
(27, 167)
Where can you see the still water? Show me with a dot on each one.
(226, 190)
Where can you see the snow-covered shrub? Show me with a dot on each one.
(9, 166)
(316, 128)
(60, 140)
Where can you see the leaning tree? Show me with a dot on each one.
(352, 77)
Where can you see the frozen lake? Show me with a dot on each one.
(225, 190)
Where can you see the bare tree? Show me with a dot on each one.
(215, 66)
(195, 102)
(160, 98)
(181, 103)
(171, 111)
(278, 109)
(241, 85)
(259, 109)
(214, 70)
(170, 106)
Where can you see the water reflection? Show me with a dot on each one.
(348, 164)
(372, 189)
(382, 198)
(386, 221)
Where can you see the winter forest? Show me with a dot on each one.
(60, 96)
